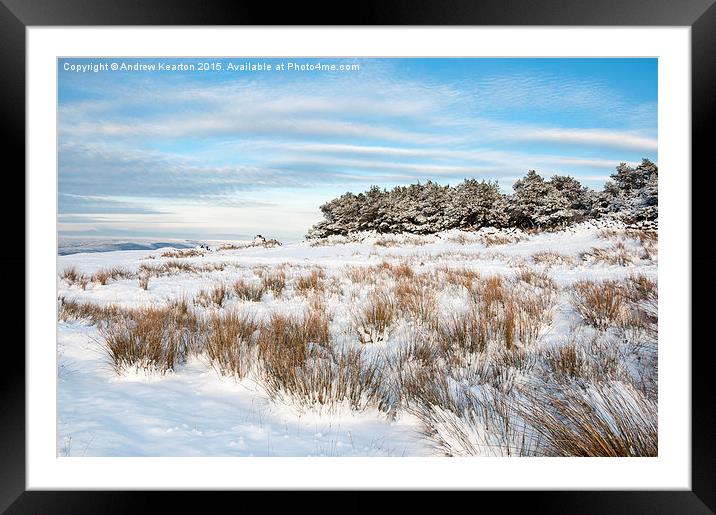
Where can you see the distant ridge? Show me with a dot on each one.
(68, 246)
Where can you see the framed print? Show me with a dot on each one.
(420, 252)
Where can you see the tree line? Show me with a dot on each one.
(536, 203)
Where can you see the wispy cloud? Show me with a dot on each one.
(166, 154)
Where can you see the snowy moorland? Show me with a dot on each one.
(486, 343)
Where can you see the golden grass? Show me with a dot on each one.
(417, 299)
(145, 341)
(375, 318)
(248, 291)
(274, 281)
(600, 304)
(69, 309)
(552, 258)
(182, 253)
(616, 254)
(610, 419)
(313, 281)
(230, 341)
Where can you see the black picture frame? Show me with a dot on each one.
(17, 15)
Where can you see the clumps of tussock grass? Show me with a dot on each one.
(641, 235)
(274, 281)
(407, 368)
(399, 271)
(551, 258)
(401, 240)
(300, 364)
(101, 277)
(600, 304)
(216, 296)
(464, 333)
(285, 340)
(641, 303)
(567, 362)
(417, 299)
(458, 276)
(104, 275)
(313, 281)
(472, 422)
(232, 246)
(461, 238)
(538, 278)
(616, 254)
(325, 380)
(374, 319)
(630, 305)
(152, 339)
(182, 253)
(513, 312)
(270, 243)
(361, 274)
(176, 267)
(230, 342)
(73, 277)
(249, 291)
(610, 419)
(219, 294)
(491, 240)
(70, 309)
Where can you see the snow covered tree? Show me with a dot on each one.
(578, 196)
(537, 203)
(429, 207)
(476, 204)
(633, 194)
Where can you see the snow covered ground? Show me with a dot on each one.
(193, 410)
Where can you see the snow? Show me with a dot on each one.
(193, 411)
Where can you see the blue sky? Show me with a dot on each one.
(229, 154)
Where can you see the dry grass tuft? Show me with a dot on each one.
(611, 419)
(463, 422)
(400, 241)
(540, 279)
(229, 343)
(490, 240)
(182, 253)
(219, 293)
(375, 319)
(551, 258)
(275, 282)
(567, 362)
(217, 296)
(299, 362)
(73, 277)
(148, 340)
(459, 276)
(361, 274)
(104, 275)
(249, 291)
(616, 254)
(311, 282)
(401, 271)
(69, 309)
(417, 299)
(600, 304)
(466, 333)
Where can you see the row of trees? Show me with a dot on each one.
(427, 208)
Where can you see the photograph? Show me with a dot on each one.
(357, 257)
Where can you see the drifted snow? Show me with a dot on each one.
(195, 412)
